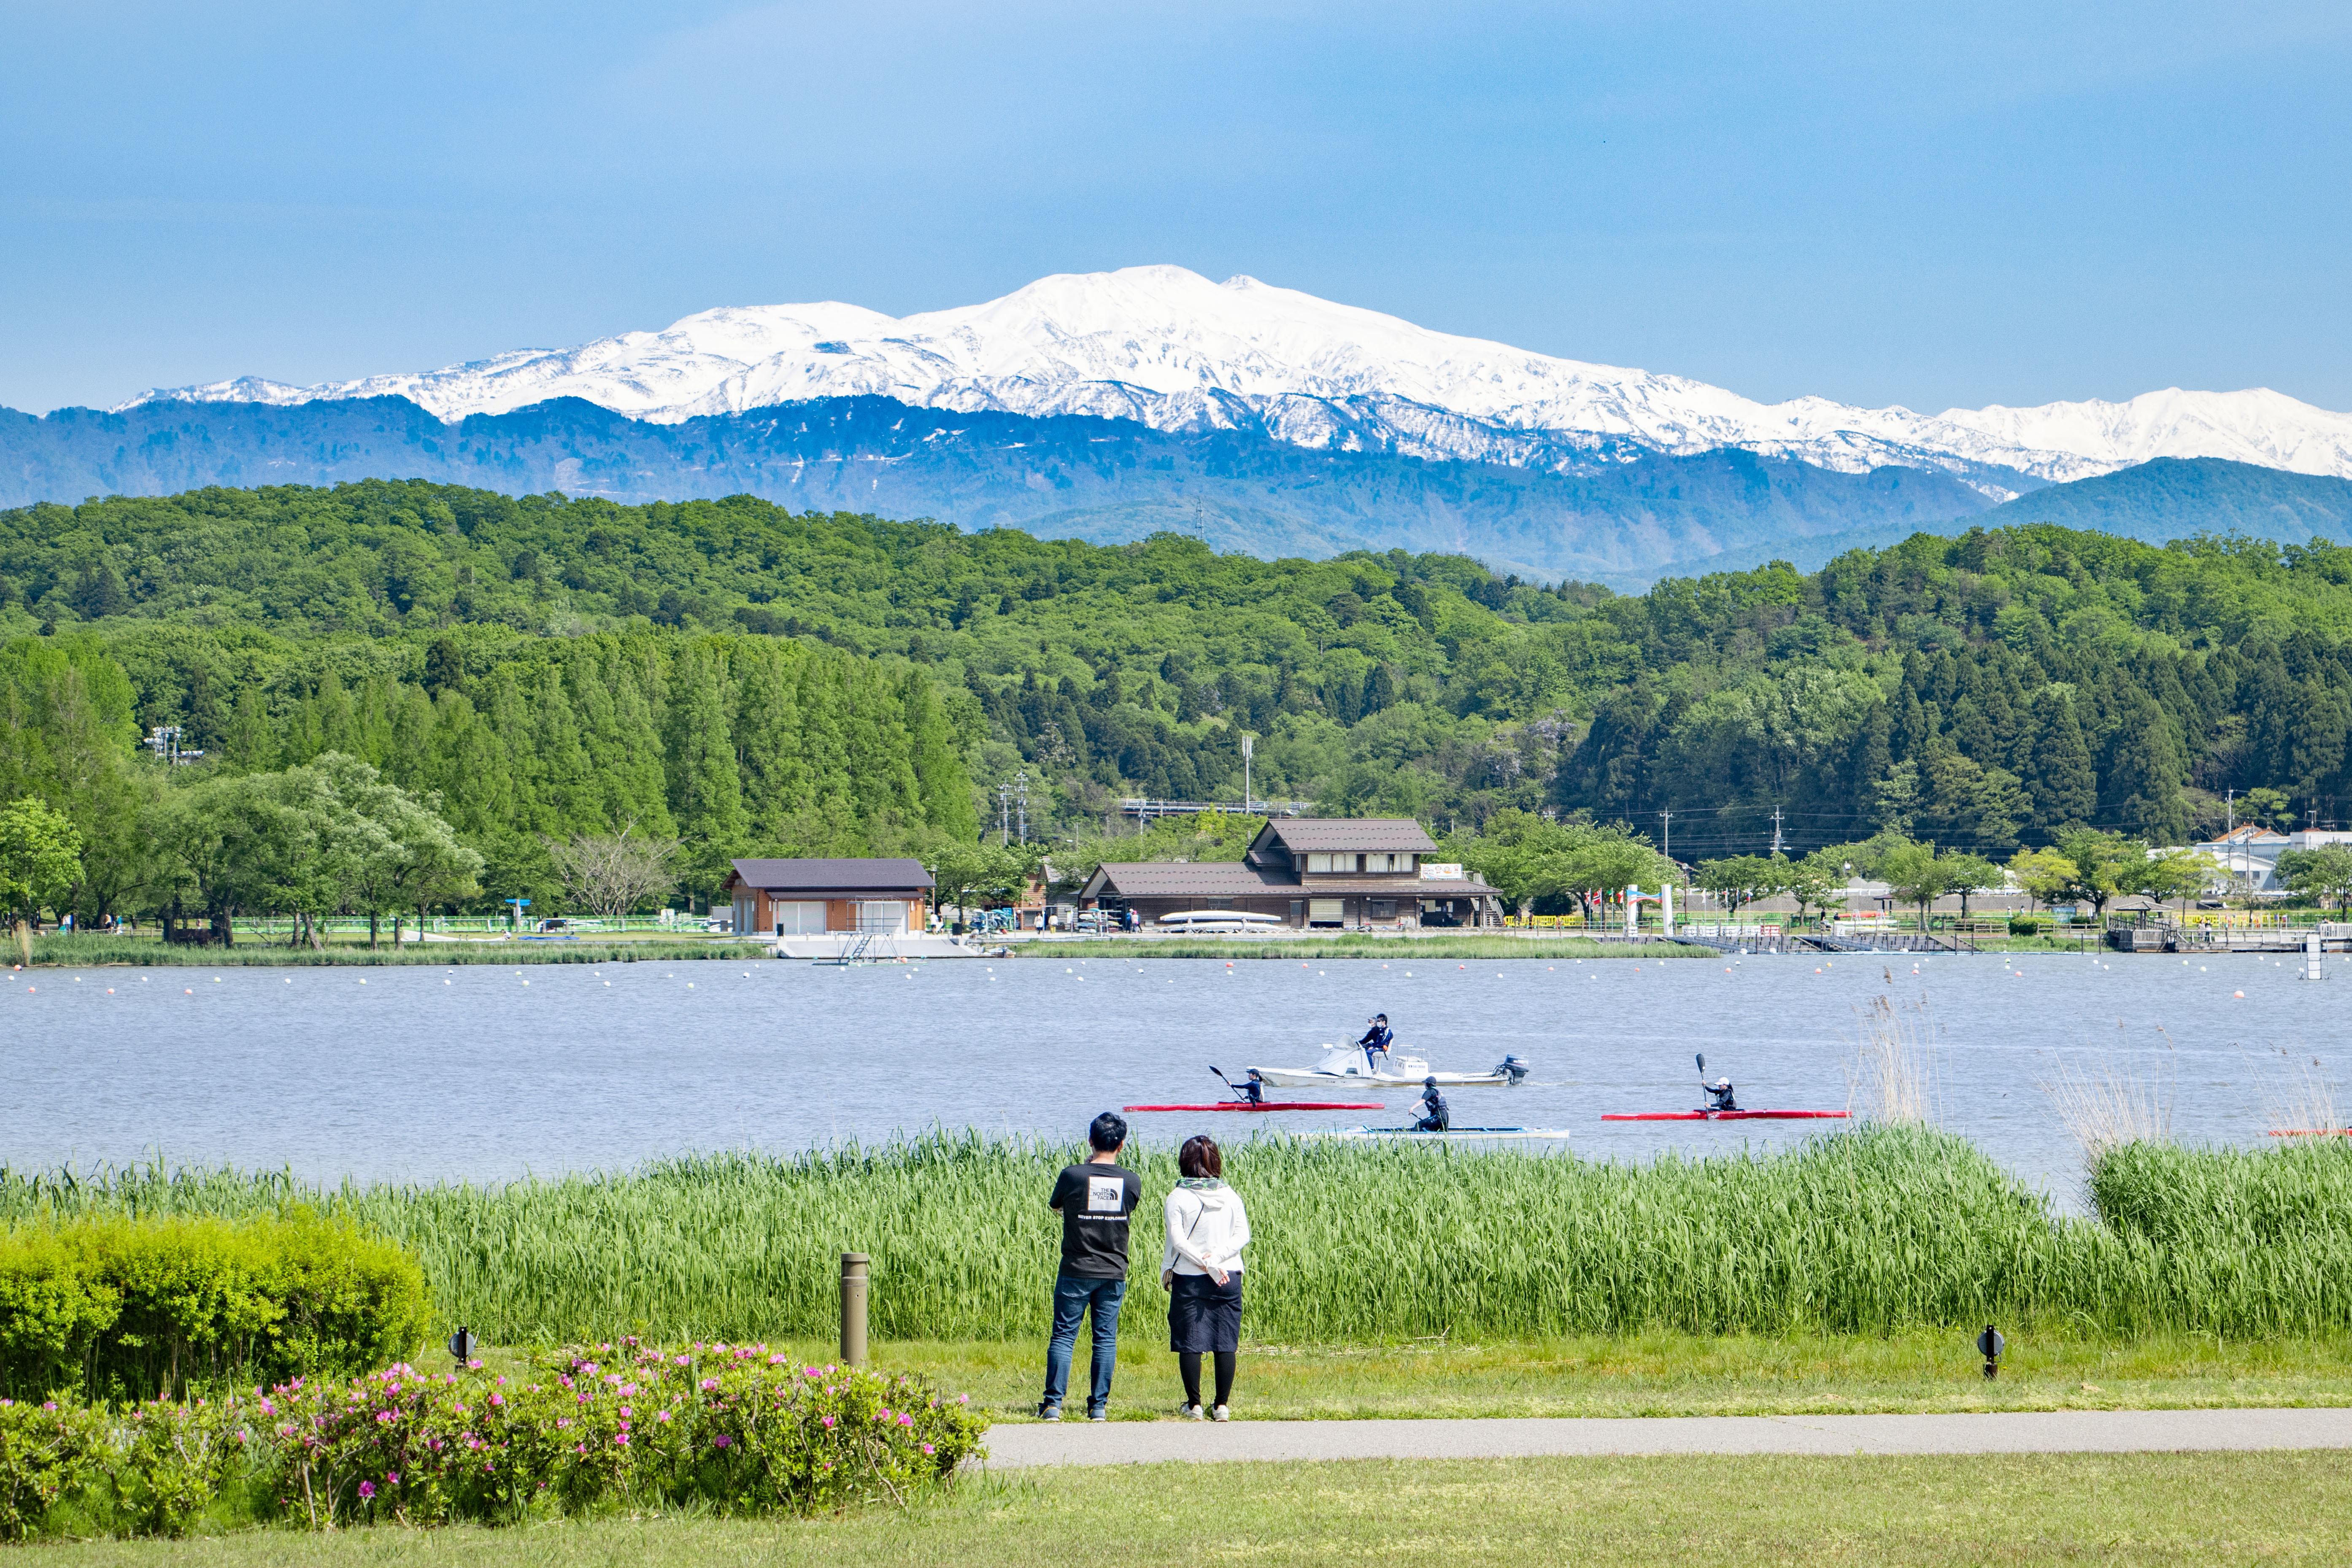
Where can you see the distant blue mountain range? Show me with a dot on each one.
(1622, 522)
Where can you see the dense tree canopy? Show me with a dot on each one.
(743, 677)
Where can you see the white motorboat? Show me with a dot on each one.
(1344, 1069)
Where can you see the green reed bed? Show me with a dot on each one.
(63, 951)
(1865, 1231)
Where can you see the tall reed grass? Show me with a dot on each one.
(2106, 1102)
(1874, 1229)
(1893, 1079)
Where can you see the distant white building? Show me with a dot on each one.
(2251, 854)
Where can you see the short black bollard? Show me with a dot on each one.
(1990, 1344)
(462, 1345)
(856, 1273)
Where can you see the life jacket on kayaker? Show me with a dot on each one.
(1719, 1096)
(1434, 1116)
(1377, 1039)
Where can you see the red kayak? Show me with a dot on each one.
(1269, 1105)
(1724, 1115)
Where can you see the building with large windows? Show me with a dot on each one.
(1338, 873)
(815, 898)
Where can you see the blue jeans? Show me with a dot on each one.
(1073, 1294)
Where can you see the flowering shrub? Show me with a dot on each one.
(731, 1428)
(45, 1452)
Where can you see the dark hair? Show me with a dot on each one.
(1108, 1132)
(1198, 1157)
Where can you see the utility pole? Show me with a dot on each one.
(1021, 799)
(1668, 818)
(1249, 745)
(1004, 816)
(1776, 830)
(2230, 812)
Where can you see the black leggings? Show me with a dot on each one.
(1189, 1363)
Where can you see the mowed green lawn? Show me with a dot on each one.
(1669, 1374)
(1683, 1510)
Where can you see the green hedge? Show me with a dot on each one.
(115, 1307)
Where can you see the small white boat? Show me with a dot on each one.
(1346, 1069)
(1219, 920)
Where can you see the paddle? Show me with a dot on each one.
(1702, 1072)
(1232, 1086)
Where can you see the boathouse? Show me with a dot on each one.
(811, 898)
(1337, 873)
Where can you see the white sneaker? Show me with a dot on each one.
(1191, 1413)
(1221, 1414)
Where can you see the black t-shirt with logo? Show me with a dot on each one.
(1095, 1201)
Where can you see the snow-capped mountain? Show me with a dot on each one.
(1172, 349)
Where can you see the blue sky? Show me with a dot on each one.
(1874, 202)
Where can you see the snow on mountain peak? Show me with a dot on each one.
(1165, 345)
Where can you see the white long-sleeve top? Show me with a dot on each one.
(1207, 1227)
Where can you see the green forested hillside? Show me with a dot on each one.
(544, 662)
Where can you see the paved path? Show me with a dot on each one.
(2023, 1432)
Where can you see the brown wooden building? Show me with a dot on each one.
(1337, 872)
(809, 898)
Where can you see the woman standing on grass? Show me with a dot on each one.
(1200, 1268)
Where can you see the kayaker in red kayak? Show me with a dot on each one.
(1719, 1096)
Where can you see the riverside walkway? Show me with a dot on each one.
(2020, 1432)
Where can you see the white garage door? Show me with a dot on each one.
(1327, 911)
(889, 917)
(799, 918)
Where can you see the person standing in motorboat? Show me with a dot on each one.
(1434, 1116)
(1376, 1042)
(1200, 1268)
(1093, 1200)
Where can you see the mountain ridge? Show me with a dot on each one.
(1169, 349)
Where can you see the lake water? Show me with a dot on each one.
(484, 1073)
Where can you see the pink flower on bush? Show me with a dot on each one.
(661, 1414)
(497, 1400)
(627, 1413)
(929, 1450)
(906, 1421)
(720, 1441)
(709, 1386)
(393, 1479)
(828, 1423)
(367, 1489)
(686, 1360)
(620, 1439)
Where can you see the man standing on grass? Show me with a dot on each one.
(1093, 1200)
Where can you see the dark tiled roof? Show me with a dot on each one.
(1202, 879)
(832, 876)
(1372, 835)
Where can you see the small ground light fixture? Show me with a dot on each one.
(1990, 1344)
(462, 1344)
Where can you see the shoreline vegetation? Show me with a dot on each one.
(1876, 1230)
(95, 952)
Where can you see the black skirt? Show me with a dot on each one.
(1205, 1316)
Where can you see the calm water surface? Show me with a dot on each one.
(484, 1073)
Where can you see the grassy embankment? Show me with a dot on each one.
(142, 951)
(1683, 1511)
(1848, 1274)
